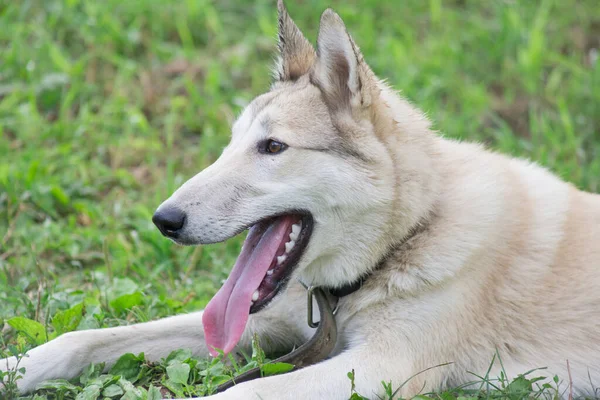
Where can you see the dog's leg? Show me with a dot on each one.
(278, 327)
(67, 355)
(328, 379)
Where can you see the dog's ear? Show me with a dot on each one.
(296, 54)
(340, 71)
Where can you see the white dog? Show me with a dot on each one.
(463, 252)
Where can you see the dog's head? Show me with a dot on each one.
(305, 172)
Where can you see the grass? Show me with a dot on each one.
(107, 106)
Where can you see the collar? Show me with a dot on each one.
(349, 288)
(354, 286)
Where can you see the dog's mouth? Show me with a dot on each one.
(269, 255)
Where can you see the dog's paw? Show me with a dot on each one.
(9, 372)
(48, 361)
(8, 364)
(18, 372)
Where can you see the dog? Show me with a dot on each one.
(462, 253)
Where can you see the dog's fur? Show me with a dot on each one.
(471, 252)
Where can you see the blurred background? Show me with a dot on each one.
(107, 106)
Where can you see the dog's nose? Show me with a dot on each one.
(169, 220)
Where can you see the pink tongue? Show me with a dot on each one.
(225, 316)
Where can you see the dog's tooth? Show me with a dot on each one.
(255, 295)
(296, 229)
(270, 272)
(281, 259)
(293, 236)
(289, 246)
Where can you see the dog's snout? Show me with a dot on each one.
(169, 220)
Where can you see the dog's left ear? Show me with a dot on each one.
(340, 71)
(296, 54)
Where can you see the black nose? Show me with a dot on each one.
(169, 220)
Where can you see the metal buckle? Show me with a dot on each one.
(309, 307)
(309, 297)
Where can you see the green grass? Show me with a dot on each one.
(107, 106)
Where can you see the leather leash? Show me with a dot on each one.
(316, 349)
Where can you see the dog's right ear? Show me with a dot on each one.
(340, 72)
(296, 54)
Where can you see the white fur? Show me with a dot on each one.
(471, 252)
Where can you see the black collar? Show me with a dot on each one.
(352, 287)
(349, 288)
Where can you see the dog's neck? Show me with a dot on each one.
(411, 145)
(413, 149)
(356, 285)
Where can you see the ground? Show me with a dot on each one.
(107, 106)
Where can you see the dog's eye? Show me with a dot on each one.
(272, 147)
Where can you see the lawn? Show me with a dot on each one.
(106, 107)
